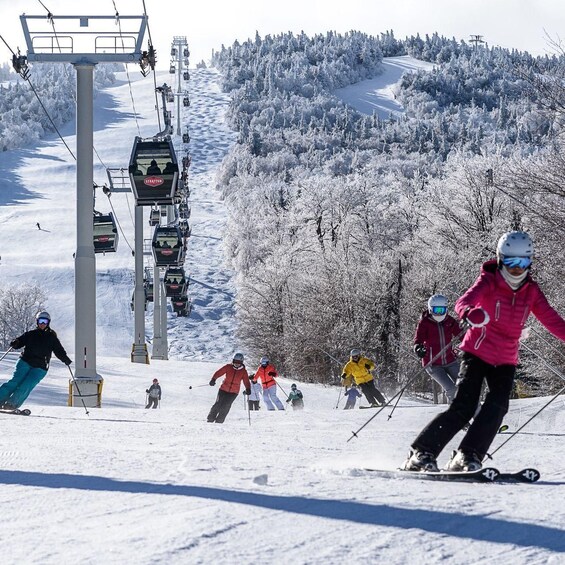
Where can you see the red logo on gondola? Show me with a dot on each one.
(166, 251)
(153, 181)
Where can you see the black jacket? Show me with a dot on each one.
(38, 346)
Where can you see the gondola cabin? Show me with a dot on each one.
(186, 101)
(186, 75)
(176, 283)
(105, 233)
(154, 217)
(181, 305)
(153, 171)
(148, 287)
(184, 228)
(172, 69)
(186, 137)
(168, 246)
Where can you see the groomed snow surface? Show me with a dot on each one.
(129, 485)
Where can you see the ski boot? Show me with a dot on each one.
(463, 461)
(420, 461)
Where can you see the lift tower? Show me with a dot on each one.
(85, 41)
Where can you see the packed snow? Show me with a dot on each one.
(122, 484)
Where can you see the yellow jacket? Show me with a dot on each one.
(360, 371)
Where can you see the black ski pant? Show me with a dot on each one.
(222, 406)
(152, 401)
(372, 393)
(441, 430)
(253, 404)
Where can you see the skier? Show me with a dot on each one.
(255, 396)
(296, 397)
(33, 363)
(234, 373)
(352, 395)
(267, 373)
(435, 330)
(154, 392)
(496, 308)
(360, 368)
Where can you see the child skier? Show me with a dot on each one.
(352, 395)
(154, 394)
(496, 308)
(296, 397)
(33, 363)
(229, 389)
(255, 396)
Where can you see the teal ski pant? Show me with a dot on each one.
(24, 380)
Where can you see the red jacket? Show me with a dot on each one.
(267, 375)
(233, 379)
(498, 341)
(435, 336)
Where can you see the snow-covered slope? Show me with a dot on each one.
(377, 94)
(128, 485)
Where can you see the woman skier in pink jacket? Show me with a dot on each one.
(496, 308)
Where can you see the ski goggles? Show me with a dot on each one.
(439, 310)
(512, 262)
(43, 321)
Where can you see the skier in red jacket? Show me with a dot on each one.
(235, 372)
(496, 307)
(436, 329)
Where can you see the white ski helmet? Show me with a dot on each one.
(264, 361)
(515, 244)
(44, 315)
(355, 352)
(437, 304)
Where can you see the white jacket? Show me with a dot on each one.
(256, 390)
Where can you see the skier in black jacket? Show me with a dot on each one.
(33, 363)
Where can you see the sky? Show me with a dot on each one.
(521, 24)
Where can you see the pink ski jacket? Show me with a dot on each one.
(497, 342)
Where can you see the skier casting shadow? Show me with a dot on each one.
(33, 363)
(229, 389)
(496, 308)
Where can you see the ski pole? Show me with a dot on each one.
(489, 455)
(78, 389)
(6, 353)
(410, 380)
(338, 397)
(550, 367)
(394, 407)
(196, 386)
(282, 390)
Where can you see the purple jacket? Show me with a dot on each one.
(497, 343)
(435, 336)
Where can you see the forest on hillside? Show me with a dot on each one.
(341, 225)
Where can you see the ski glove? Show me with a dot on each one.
(15, 344)
(420, 350)
(212, 382)
(272, 374)
(147, 390)
(477, 317)
(247, 391)
(67, 361)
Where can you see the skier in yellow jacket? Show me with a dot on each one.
(359, 369)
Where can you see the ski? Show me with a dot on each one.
(527, 475)
(17, 412)
(367, 407)
(484, 475)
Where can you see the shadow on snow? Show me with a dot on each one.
(480, 528)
